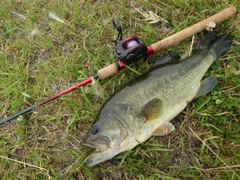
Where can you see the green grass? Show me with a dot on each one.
(45, 143)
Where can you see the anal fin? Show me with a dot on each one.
(206, 86)
(164, 129)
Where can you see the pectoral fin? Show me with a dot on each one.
(206, 86)
(170, 57)
(164, 129)
(151, 109)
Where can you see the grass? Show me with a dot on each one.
(40, 56)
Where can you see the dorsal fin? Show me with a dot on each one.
(169, 58)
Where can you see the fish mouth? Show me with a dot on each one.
(92, 146)
(100, 143)
(99, 156)
(103, 150)
(103, 154)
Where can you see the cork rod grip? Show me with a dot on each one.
(107, 71)
(175, 38)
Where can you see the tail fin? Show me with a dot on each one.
(219, 45)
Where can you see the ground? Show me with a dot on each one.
(47, 46)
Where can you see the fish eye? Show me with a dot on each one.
(95, 130)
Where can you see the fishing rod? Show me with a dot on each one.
(133, 49)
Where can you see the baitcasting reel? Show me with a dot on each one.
(130, 49)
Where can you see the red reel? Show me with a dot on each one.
(130, 50)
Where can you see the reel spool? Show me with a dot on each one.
(128, 50)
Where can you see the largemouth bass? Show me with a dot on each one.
(146, 105)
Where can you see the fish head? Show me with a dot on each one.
(113, 132)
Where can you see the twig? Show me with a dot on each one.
(217, 168)
(20, 15)
(191, 45)
(51, 15)
(150, 16)
(227, 166)
(24, 163)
